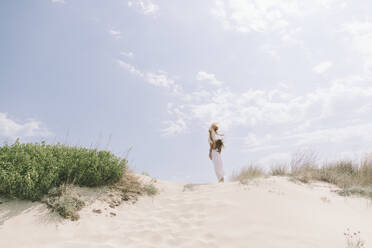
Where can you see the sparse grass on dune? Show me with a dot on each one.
(130, 187)
(279, 170)
(65, 202)
(247, 173)
(150, 189)
(352, 178)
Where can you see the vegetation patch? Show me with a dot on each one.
(65, 202)
(352, 178)
(150, 189)
(29, 171)
(353, 239)
(279, 170)
(130, 187)
(49, 173)
(248, 173)
(361, 191)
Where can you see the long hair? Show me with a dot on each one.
(219, 145)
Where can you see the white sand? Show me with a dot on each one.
(270, 212)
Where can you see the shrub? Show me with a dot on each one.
(28, 171)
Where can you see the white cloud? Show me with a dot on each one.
(174, 127)
(334, 114)
(147, 7)
(127, 54)
(12, 130)
(115, 33)
(58, 1)
(361, 38)
(247, 16)
(280, 158)
(159, 79)
(210, 78)
(130, 68)
(322, 67)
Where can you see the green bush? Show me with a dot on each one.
(28, 171)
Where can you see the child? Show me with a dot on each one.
(213, 132)
(217, 161)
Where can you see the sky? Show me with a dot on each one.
(146, 78)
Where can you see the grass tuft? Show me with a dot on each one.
(279, 170)
(150, 189)
(65, 202)
(248, 173)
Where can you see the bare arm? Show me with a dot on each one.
(210, 152)
(220, 134)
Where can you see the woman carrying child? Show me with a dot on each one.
(215, 147)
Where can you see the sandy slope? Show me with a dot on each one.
(270, 212)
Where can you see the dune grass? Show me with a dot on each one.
(279, 170)
(351, 177)
(247, 173)
(65, 202)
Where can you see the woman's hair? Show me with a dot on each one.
(219, 145)
(213, 126)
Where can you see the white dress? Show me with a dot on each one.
(218, 166)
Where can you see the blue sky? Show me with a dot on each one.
(278, 76)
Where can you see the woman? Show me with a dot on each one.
(213, 133)
(215, 147)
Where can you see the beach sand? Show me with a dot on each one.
(267, 212)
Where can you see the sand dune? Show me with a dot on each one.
(271, 212)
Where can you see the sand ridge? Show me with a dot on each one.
(267, 212)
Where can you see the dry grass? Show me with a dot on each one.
(303, 166)
(65, 202)
(279, 170)
(150, 189)
(352, 178)
(248, 173)
(130, 187)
